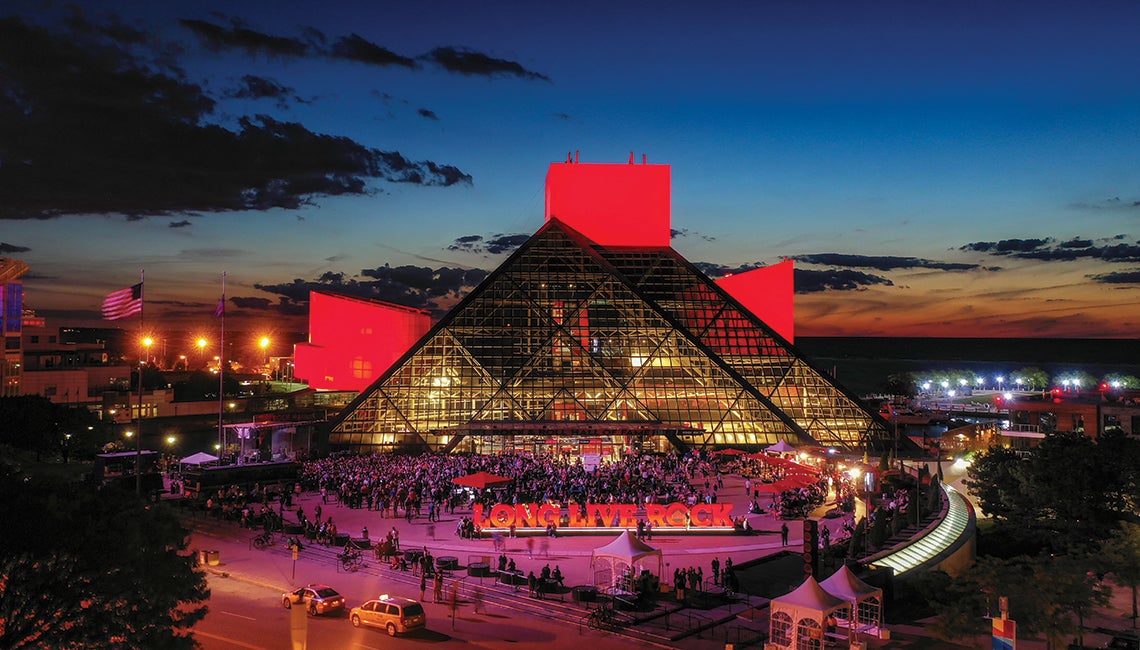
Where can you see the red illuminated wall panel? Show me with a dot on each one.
(352, 341)
(768, 293)
(613, 205)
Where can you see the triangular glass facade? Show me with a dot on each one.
(569, 345)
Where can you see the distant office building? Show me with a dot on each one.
(60, 368)
(596, 337)
(11, 324)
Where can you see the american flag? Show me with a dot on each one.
(123, 303)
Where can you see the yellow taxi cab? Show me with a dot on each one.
(396, 615)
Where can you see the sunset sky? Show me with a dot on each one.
(935, 169)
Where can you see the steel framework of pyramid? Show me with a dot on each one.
(570, 345)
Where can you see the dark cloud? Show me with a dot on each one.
(1113, 203)
(179, 224)
(811, 281)
(355, 48)
(5, 247)
(258, 304)
(218, 37)
(78, 115)
(429, 114)
(685, 232)
(1118, 277)
(468, 62)
(492, 245)
(255, 87)
(1051, 251)
(880, 262)
(421, 287)
(805, 280)
(716, 271)
(1007, 246)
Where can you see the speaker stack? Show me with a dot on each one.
(811, 547)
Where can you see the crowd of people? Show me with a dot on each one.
(407, 486)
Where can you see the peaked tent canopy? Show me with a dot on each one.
(199, 458)
(481, 480)
(799, 618)
(626, 551)
(846, 585)
(781, 447)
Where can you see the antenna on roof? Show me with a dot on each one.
(644, 159)
(575, 156)
(569, 156)
(631, 157)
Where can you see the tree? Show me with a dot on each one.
(121, 576)
(900, 383)
(1045, 594)
(1076, 591)
(995, 478)
(1031, 377)
(1120, 555)
(1117, 380)
(1067, 495)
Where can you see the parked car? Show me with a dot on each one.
(394, 614)
(316, 599)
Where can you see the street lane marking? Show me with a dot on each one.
(248, 618)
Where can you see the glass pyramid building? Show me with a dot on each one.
(572, 347)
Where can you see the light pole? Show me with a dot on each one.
(146, 343)
(263, 343)
(201, 343)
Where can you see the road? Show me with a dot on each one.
(246, 616)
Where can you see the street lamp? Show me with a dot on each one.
(263, 343)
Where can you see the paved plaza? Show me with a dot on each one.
(272, 571)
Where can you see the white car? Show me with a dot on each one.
(316, 599)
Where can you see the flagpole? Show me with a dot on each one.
(138, 426)
(222, 371)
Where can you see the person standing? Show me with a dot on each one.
(716, 570)
(784, 534)
(437, 587)
(423, 586)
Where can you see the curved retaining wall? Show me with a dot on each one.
(949, 544)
